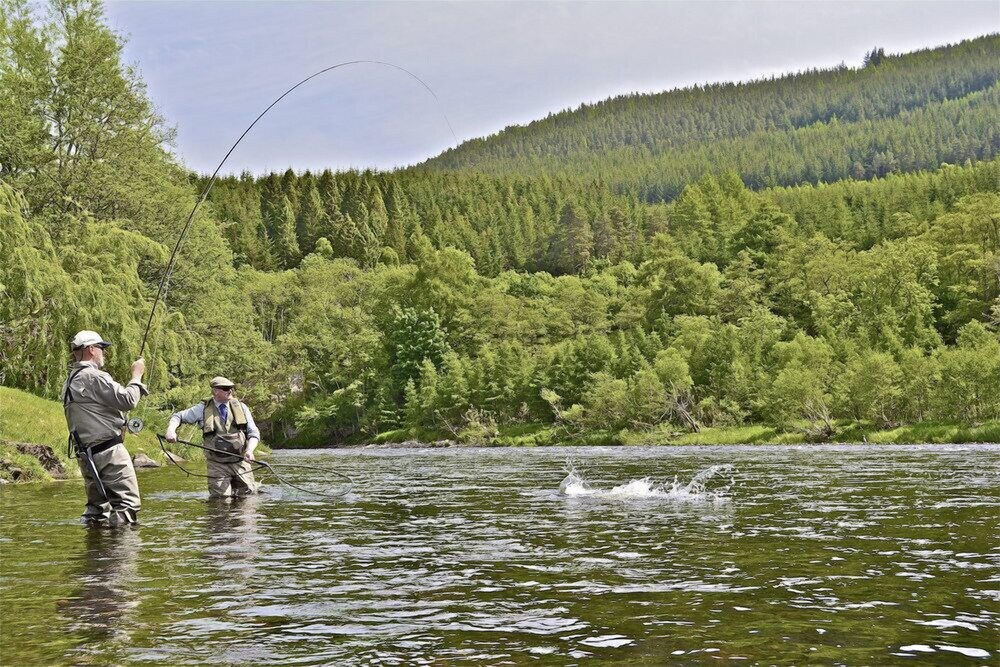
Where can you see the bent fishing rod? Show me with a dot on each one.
(164, 281)
(259, 465)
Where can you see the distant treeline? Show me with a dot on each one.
(348, 304)
(898, 113)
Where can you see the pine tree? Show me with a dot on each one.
(310, 220)
(574, 243)
(286, 244)
(400, 219)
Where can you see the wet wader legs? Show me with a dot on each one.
(230, 479)
(118, 477)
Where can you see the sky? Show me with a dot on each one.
(212, 67)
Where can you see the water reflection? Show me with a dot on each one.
(232, 541)
(100, 608)
(233, 518)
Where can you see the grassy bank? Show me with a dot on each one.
(25, 418)
(846, 432)
(532, 435)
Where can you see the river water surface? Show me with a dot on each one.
(855, 555)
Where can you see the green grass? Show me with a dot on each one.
(28, 418)
(727, 435)
(540, 435)
(939, 432)
(846, 432)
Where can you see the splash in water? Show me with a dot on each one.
(701, 488)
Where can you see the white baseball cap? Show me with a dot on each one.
(86, 339)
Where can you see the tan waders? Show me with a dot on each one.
(113, 493)
(227, 475)
(95, 408)
(230, 479)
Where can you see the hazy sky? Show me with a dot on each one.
(212, 67)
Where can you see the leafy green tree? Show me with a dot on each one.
(919, 374)
(678, 285)
(893, 294)
(801, 387)
(446, 282)
(25, 75)
(869, 388)
(742, 291)
(453, 395)
(606, 402)
(80, 134)
(649, 401)
(968, 247)
(48, 294)
(421, 413)
(573, 246)
(969, 388)
(400, 219)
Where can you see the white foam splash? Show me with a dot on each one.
(946, 623)
(970, 652)
(606, 641)
(694, 491)
(917, 648)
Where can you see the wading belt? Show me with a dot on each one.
(99, 447)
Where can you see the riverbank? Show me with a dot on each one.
(847, 432)
(33, 439)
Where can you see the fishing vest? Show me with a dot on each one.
(229, 437)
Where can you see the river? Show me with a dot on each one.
(641, 555)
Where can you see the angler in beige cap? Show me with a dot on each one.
(228, 428)
(95, 407)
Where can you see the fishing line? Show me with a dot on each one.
(262, 465)
(170, 457)
(164, 281)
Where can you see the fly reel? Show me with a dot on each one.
(134, 425)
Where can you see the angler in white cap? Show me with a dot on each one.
(228, 428)
(95, 407)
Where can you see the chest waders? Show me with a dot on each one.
(75, 447)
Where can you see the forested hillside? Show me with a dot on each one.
(897, 113)
(649, 274)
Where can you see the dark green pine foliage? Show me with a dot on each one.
(311, 218)
(285, 241)
(896, 113)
